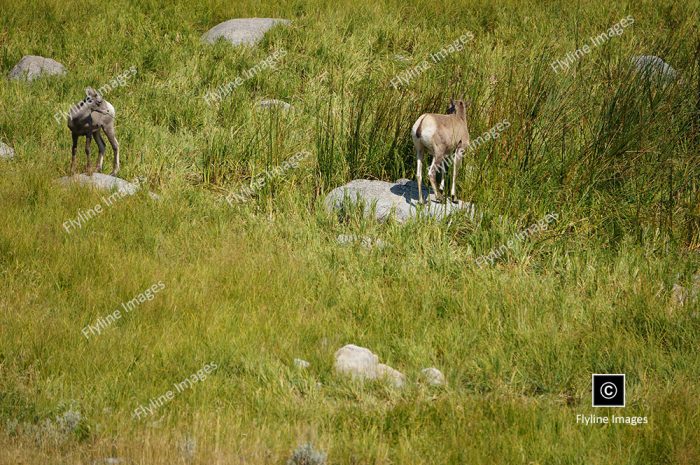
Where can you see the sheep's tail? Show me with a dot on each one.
(419, 126)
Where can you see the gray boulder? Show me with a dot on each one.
(433, 376)
(31, 67)
(360, 363)
(105, 182)
(242, 31)
(6, 151)
(387, 199)
(653, 66)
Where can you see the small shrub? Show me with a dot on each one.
(305, 454)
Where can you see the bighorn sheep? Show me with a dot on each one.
(441, 135)
(86, 118)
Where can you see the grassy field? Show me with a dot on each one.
(252, 286)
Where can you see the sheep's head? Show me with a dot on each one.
(458, 107)
(93, 99)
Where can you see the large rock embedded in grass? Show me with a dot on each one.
(105, 182)
(362, 364)
(31, 67)
(242, 31)
(387, 199)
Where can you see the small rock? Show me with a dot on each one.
(433, 376)
(6, 151)
(398, 200)
(31, 67)
(299, 363)
(242, 31)
(365, 241)
(271, 103)
(395, 377)
(362, 364)
(108, 461)
(695, 287)
(679, 294)
(188, 448)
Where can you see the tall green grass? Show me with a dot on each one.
(255, 285)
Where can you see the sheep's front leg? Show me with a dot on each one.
(101, 149)
(73, 151)
(88, 142)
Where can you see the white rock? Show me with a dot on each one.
(679, 294)
(395, 377)
(108, 461)
(388, 199)
(242, 31)
(299, 363)
(360, 363)
(6, 151)
(433, 376)
(31, 67)
(105, 182)
(356, 361)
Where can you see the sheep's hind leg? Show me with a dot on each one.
(73, 150)
(101, 149)
(459, 154)
(432, 172)
(419, 173)
(88, 142)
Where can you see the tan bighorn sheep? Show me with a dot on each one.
(441, 135)
(86, 118)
